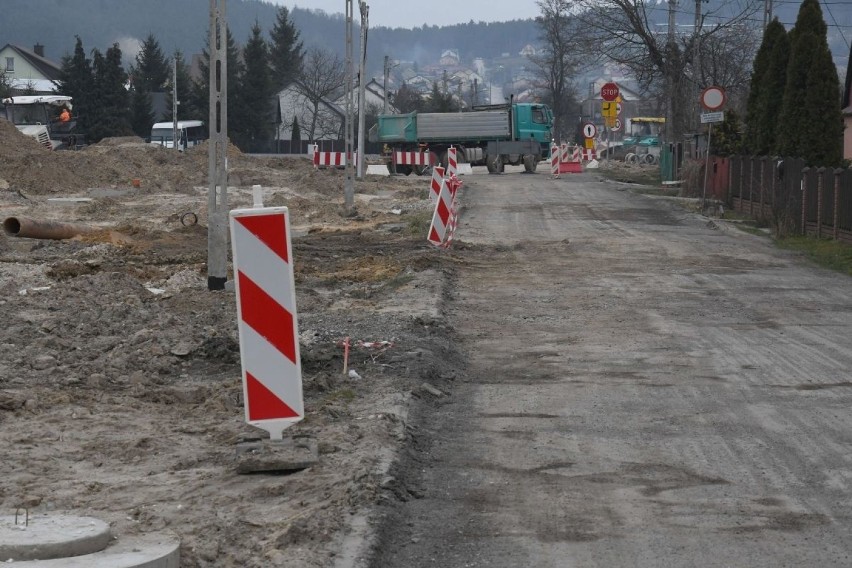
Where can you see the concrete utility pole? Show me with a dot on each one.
(349, 184)
(696, 64)
(174, 104)
(767, 12)
(670, 82)
(362, 83)
(217, 198)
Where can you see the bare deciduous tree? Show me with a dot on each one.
(558, 62)
(321, 78)
(660, 58)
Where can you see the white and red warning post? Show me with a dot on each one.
(267, 322)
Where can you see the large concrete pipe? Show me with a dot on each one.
(30, 228)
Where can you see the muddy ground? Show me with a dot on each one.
(120, 392)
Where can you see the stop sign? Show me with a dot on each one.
(609, 92)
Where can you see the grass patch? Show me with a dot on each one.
(827, 253)
(419, 223)
(633, 174)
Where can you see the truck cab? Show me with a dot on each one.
(533, 121)
(36, 116)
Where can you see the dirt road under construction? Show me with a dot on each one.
(587, 377)
(643, 387)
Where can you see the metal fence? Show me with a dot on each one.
(792, 197)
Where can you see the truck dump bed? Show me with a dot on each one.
(442, 127)
(489, 125)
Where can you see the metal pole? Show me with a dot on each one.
(385, 86)
(174, 103)
(362, 107)
(217, 198)
(706, 167)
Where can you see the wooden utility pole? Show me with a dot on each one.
(175, 137)
(217, 197)
(349, 184)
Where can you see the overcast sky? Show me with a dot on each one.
(411, 13)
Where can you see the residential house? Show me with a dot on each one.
(450, 58)
(29, 70)
(319, 119)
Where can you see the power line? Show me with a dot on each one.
(827, 9)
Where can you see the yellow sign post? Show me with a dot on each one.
(609, 109)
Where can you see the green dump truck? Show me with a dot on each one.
(492, 135)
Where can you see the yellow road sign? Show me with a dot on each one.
(610, 121)
(609, 108)
(590, 142)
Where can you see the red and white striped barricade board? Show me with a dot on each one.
(452, 162)
(266, 317)
(439, 230)
(589, 154)
(413, 158)
(554, 160)
(435, 186)
(569, 160)
(330, 159)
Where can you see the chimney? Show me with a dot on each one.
(38, 49)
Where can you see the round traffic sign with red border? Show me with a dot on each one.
(609, 92)
(713, 98)
(617, 125)
(590, 130)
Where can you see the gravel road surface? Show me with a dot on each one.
(644, 387)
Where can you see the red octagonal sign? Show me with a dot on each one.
(609, 92)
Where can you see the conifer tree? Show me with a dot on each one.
(141, 113)
(756, 118)
(255, 119)
(112, 116)
(295, 133)
(286, 52)
(76, 80)
(810, 119)
(152, 71)
(772, 96)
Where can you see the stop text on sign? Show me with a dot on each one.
(609, 92)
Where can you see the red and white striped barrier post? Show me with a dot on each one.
(554, 161)
(266, 315)
(452, 162)
(442, 220)
(435, 187)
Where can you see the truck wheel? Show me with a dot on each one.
(494, 164)
(530, 163)
(404, 170)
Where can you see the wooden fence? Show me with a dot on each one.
(787, 194)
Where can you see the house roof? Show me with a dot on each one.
(46, 67)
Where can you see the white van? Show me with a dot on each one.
(190, 132)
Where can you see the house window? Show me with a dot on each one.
(10, 64)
